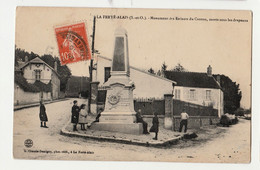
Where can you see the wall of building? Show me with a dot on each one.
(55, 81)
(221, 105)
(99, 74)
(216, 97)
(29, 73)
(22, 97)
(147, 85)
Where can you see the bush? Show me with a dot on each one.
(225, 121)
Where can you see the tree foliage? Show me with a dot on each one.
(164, 68)
(63, 70)
(151, 70)
(232, 94)
(179, 68)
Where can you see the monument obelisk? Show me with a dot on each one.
(119, 113)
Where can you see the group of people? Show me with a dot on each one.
(155, 126)
(79, 116)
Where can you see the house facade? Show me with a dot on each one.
(147, 85)
(35, 80)
(198, 88)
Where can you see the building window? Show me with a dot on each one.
(177, 93)
(208, 94)
(192, 94)
(37, 74)
(107, 73)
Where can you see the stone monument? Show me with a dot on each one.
(119, 113)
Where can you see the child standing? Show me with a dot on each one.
(83, 116)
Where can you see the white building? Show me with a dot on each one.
(36, 80)
(198, 88)
(147, 85)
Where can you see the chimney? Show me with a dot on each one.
(209, 70)
(55, 65)
(26, 59)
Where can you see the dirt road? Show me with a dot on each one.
(231, 145)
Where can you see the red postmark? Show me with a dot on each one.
(73, 43)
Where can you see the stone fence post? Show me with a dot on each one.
(94, 97)
(168, 118)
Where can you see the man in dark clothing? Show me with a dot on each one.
(75, 115)
(139, 119)
(155, 127)
(98, 115)
(43, 115)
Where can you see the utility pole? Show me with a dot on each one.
(91, 63)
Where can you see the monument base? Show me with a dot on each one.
(130, 128)
(118, 117)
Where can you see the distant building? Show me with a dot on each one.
(35, 80)
(198, 88)
(147, 85)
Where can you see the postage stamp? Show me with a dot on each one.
(73, 43)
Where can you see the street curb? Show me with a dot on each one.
(168, 142)
(37, 104)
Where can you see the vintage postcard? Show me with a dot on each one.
(132, 85)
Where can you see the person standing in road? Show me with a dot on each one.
(155, 127)
(184, 120)
(75, 115)
(43, 115)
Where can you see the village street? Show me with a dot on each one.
(229, 145)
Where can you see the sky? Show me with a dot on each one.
(225, 45)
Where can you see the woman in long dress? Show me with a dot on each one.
(43, 115)
(155, 127)
(83, 116)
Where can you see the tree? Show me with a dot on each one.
(179, 68)
(232, 93)
(151, 70)
(164, 67)
(20, 55)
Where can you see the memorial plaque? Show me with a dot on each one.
(119, 55)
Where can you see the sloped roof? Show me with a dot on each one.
(192, 79)
(28, 87)
(21, 81)
(169, 80)
(38, 60)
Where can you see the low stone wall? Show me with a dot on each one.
(194, 122)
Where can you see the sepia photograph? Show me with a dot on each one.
(119, 84)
